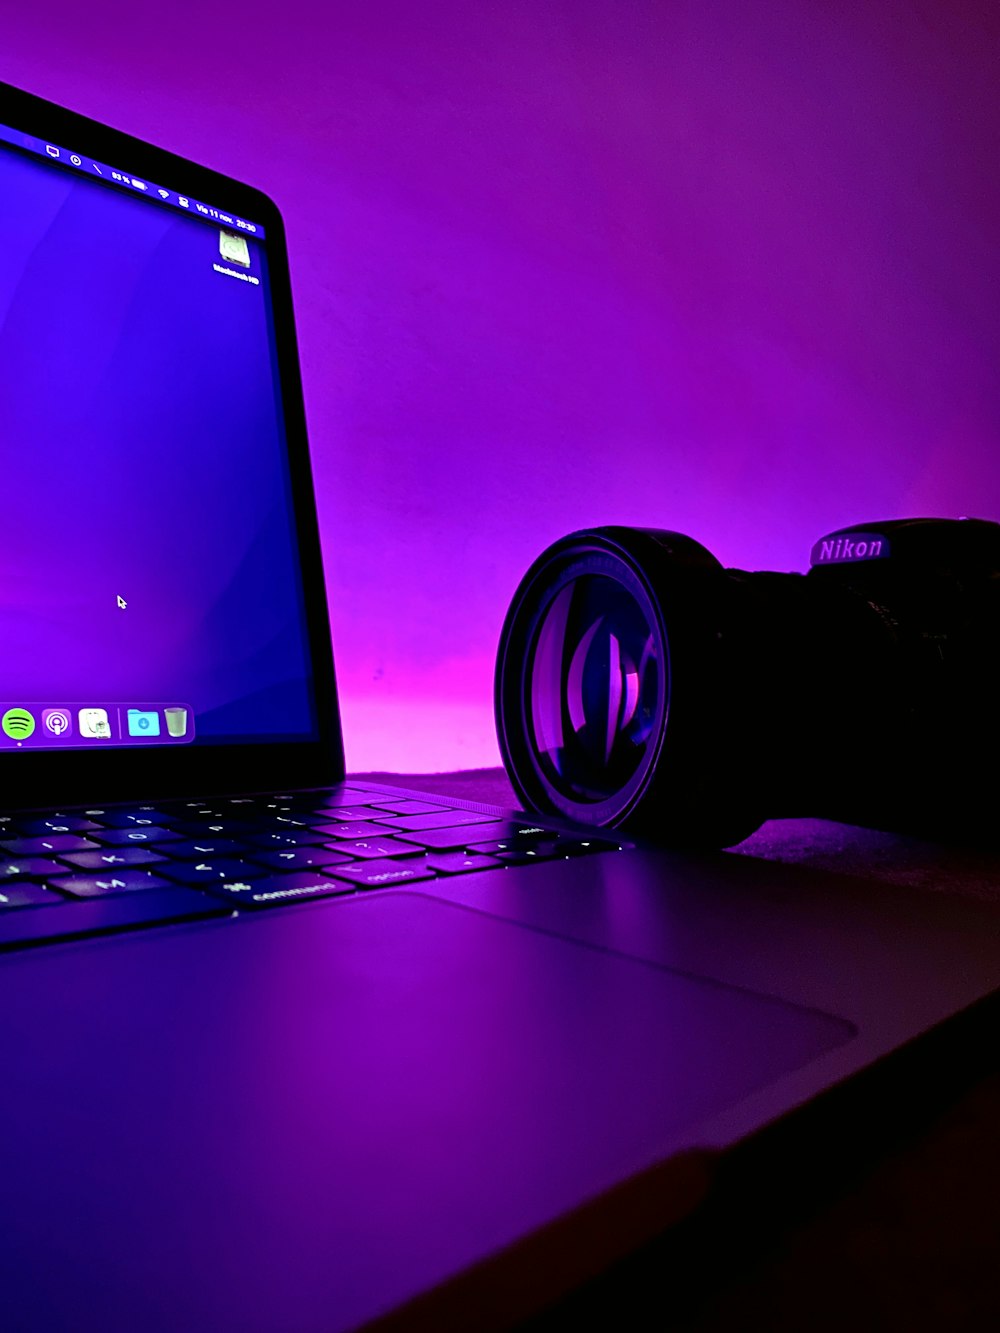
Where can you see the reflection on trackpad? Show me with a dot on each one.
(602, 1046)
(379, 1091)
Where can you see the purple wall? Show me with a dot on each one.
(728, 268)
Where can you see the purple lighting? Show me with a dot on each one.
(725, 269)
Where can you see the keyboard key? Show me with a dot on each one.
(288, 838)
(279, 805)
(108, 814)
(368, 848)
(128, 837)
(233, 890)
(476, 835)
(289, 802)
(32, 867)
(382, 874)
(57, 843)
(111, 857)
(460, 863)
(340, 813)
(504, 837)
(553, 845)
(522, 856)
(280, 889)
(95, 886)
(573, 846)
(491, 846)
(25, 895)
(201, 849)
(227, 802)
(70, 920)
(407, 807)
(442, 839)
(299, 858)
(553, 849)
(144, 817)
(209, 872)
(286, 816)
(446, 819)
(57, 824)
(355, 829)
(215, 827)
(180, 814)
(345, 796)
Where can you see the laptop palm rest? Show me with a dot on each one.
(317, 1114)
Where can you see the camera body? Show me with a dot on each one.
(640, 683)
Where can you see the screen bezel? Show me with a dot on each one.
(69, 777)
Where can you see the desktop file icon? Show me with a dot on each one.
(233, 247)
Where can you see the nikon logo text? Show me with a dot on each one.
(839, 550)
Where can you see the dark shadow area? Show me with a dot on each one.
(872, 1208)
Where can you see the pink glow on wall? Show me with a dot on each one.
(726, 268)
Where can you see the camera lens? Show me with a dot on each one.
(606, 659)
(595, 686)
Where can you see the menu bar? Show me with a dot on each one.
(122, 180)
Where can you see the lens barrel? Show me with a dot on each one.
(607, 700)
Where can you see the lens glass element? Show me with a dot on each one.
(593, 688)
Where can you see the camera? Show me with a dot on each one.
(641, 684)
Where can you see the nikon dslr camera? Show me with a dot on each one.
(641, 684)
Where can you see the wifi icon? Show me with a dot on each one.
(18, 723)
(164, 194)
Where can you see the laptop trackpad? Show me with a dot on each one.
(356, 1098)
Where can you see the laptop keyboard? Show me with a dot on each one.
(98, 869)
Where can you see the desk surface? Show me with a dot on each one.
(896, 1229)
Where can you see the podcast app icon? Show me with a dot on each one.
(57, 721)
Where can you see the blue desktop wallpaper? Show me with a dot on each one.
(143, 462)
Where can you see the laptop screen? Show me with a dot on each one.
(152, 592)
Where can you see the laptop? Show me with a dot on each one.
(285, 1050)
